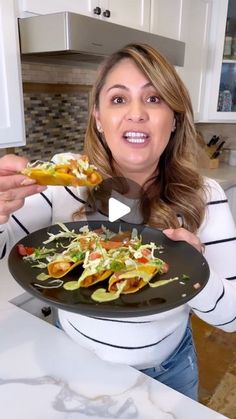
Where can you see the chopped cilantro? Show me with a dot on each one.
(186, 277)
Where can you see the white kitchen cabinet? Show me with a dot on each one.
(12, 131)
(221, 70)
(194, 30)
(132, 13)
(231, 196)
(42, 7)
(166, 18)
(187, 21)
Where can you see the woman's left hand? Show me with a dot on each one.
(183, 234)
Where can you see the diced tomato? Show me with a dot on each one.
(94, 255)
(146, 252)
(165, 268)
(142, 260)
(84, 243)
(24, 250)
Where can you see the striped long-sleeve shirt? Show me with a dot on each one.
(148, 340)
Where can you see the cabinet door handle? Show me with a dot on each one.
(106, 13)
(97, 10)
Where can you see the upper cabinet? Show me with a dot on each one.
(132, 13)
(11, 103)
(42, 7)
(166, 18)
(220, 93)
(187, 21)
(194, 31)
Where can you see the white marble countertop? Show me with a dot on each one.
(224, 174)
(44, 374)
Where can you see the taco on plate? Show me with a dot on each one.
(61, 266)
(90, 277)
(135, 278)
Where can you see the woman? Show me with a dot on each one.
(141, 127)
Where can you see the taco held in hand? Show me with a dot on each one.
(71, 172)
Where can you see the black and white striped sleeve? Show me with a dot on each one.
(35, 214)
(216, 303)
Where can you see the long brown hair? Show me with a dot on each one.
(177, 188)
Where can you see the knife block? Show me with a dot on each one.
(213, 163)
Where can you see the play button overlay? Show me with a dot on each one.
(116, 209)
(119, 199)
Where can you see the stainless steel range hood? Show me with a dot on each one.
(83, 38)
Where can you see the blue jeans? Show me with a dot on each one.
(180, 370)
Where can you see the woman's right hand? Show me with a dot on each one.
(14, 187)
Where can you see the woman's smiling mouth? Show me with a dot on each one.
(135, 137)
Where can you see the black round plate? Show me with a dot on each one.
(182, 258)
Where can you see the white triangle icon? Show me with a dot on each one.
(116, 209)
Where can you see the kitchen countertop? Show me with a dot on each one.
(225, 175)
(44, 374)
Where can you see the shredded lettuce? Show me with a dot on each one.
(87, 246)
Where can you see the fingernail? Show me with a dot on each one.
(41, 188)
(27, 182)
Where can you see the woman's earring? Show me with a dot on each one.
(174, 125)
(99, 128)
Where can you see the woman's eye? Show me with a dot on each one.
(118, 99)
(153, 99)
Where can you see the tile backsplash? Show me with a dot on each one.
(56, 104)
(79, 73)
(225, 130)
(55, 119)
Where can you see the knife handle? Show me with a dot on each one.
(220, 146)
